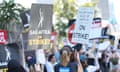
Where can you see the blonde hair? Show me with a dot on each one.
(65, 55)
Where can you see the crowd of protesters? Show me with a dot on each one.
(73, 59)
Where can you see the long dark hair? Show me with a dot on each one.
(73, 57)
(14, 66)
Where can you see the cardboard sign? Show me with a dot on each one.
(40, 56)
(83, 25)
(40, 26)
(3, 36)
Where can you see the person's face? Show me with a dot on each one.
(68, 58)
(81, 51)
(53, 60)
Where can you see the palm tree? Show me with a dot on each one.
(9, 13)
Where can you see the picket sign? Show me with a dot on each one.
(40, 56)
(96, 28)
(3, 36)
(83, 24)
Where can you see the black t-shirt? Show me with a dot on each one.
(71, 67)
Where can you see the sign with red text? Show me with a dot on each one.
(96, 29)
(3, 36)
(83, 24)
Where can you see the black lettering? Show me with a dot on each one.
(82, 27)
(80, 35)
(86, 36)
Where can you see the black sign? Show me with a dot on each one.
(40, 26)
(25, 17)
(8, 52)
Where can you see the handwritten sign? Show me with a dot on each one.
(83, 24)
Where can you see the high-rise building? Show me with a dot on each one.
(103, 5)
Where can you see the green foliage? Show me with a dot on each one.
(9, 13)
(64, 10)
(114, 61)
(92, 4)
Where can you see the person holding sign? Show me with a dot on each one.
(51, 63)
(65, 65)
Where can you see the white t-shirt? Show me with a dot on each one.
(91, 68)
(50, 67)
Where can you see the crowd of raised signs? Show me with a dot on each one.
(75, 59)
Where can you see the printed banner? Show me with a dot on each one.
(8, 52)
(40, 26)
(96, 29)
